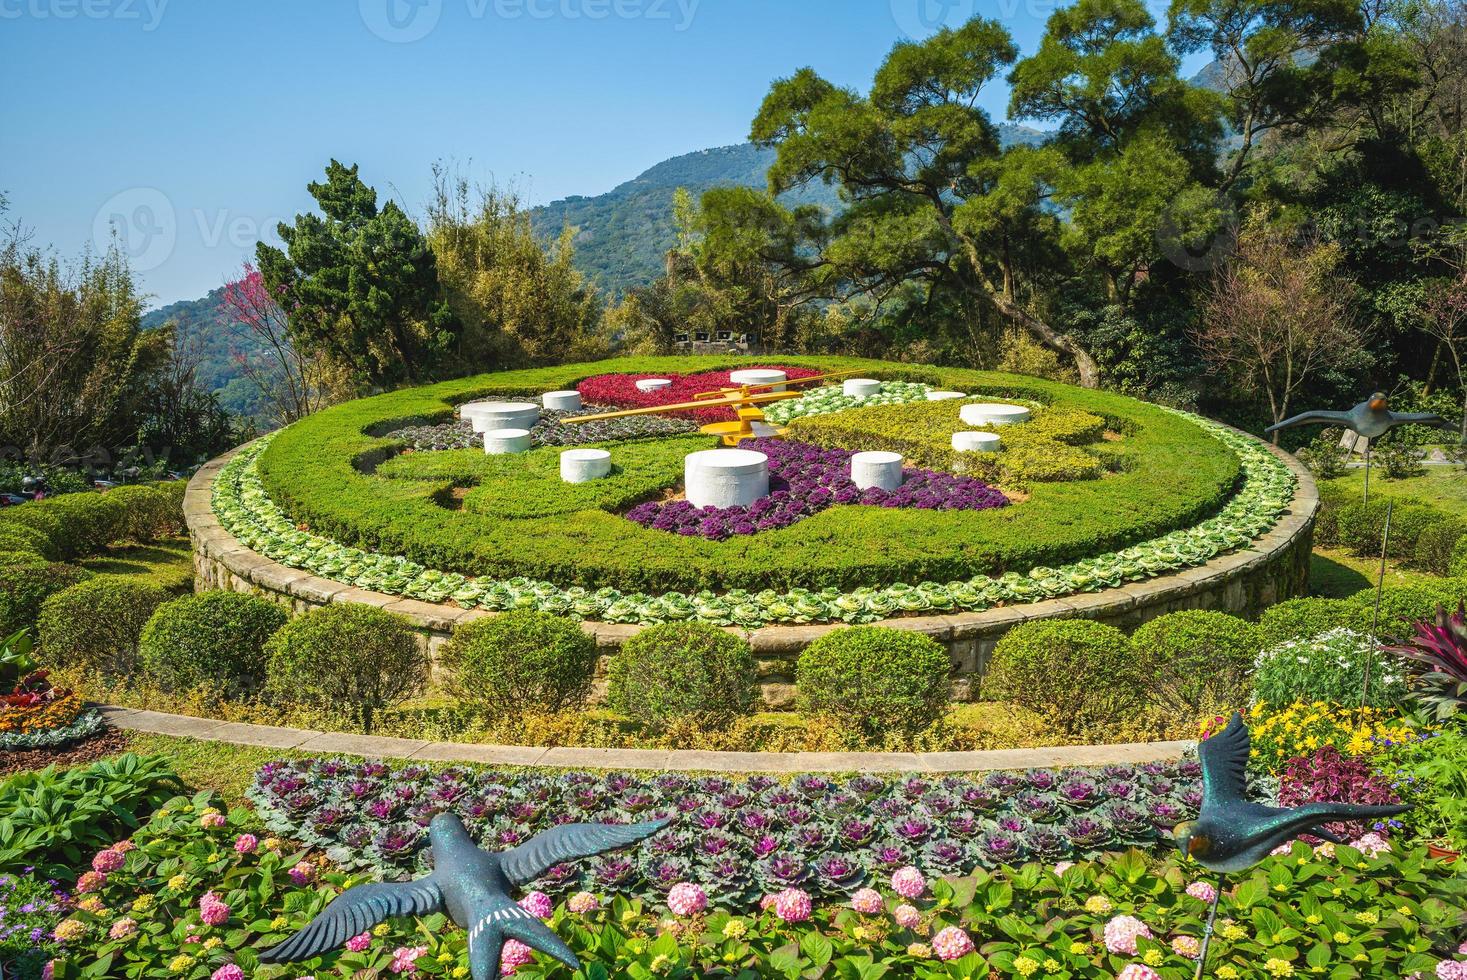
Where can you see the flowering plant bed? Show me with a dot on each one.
(738, 838)
(195, 894)
(805, 480)
(621, 391)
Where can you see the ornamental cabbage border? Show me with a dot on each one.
(245, 510)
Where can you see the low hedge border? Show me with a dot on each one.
(244, 509)
(1167, 474)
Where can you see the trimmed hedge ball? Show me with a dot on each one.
(1401, 608)
(874, 681)
(1303, 618)
(522, 660)
(683, 670)
(1197, 658)
(16, 536)
(1436, 545)
(213, 640)
(42, 526)
(350, 658)
(92, 520)
(1077, 673)
(24, 587)
(96, 625)
(147, 512)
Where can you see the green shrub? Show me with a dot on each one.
(1458, 564)
(16, 536)
(874, 681)
(21, 558)
(214, 641)
(148, 512)
(351, 658)
(1195, 659)
(96, 624)
(1300, 619)
(1080, 675)
(1362, 526)
(1401, 606)
(24, 587)
(1332, 499)
(92, 520)
(522, 660)
(1436, 545)
(683, 670)
(40, 523)
(1328, 667)
(55, 820)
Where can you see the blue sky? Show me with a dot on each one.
(196, 124)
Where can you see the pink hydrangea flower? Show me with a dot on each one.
(686, 899)
(213, 910)
(90, 882)
(108, 860)
(123, 928)
(303, 873)
(583, 903)
(1202, 891)
(359, 943)
(793, 905)
(1138, 972)
(1122, 932)
(766, 903)
(908, 882)
(1372, 844)
(907, 916)
(952, 943)
(48, 972)
(868, 901)
(227, 972)
(1063, 866)
(405, 958)
(538, 904)
(1282, 849)
(246, 843)
(1462, 950)
(1187, 946)
(1451, 970)
(210, 820)
(514, 955)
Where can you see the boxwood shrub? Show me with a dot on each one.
(1436, 545)
(148, 512)
(24, 587)
(1362, 526)
(352, 659)
(1079, 674)
(520, 661)
(324, 472)
(96, 625)
(1197, 658)
(1302, 618)
(874, 682)
(1402, 606)
(683, 671)
(21, 537)
(214, 641)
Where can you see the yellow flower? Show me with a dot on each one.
(1359, 957)
(1314, 919)
(1025, 966)
(272, 843)
(919, 951)
(735, 929)
(1342, 937)
(445, 957)
(181, 963)
(1405, 910)
(1227, 973)
(1367, 917)
(459, 972)
(1153, 957)
(92, 904)
(177, 883)
(212, 942)
(1098, 905)
(1051, 965)
(69, 930)
(660, 963)
(860, 934)
(1279, 968)
(1234, 932)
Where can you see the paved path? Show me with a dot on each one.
(376, 746)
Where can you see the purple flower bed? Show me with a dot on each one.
(804, 480)
(739, 839)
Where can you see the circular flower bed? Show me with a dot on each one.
(621, 390)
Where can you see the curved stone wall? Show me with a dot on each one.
(1275, 567)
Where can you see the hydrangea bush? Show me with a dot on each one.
(737, 838)
(804, 480)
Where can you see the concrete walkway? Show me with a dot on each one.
(378, 747)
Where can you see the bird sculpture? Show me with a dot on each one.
(471, 885)
(1232, 833)
(1372, 419)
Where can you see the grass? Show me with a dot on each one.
(168, 563)
(1335, 573)
(226, 769)
(1441, 486)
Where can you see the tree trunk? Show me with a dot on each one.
(1049, 337)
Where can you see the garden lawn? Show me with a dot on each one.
(167, 563)
(1442, 486)
(1335, 573)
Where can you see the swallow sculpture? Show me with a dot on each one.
(470, 884)
(1372, 419)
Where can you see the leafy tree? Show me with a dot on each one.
(518, 302)
(289, 384)
(359, 285)
(915, 161)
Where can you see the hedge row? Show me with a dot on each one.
(328, 471)
(1422, 535)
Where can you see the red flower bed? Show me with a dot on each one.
(621, 390)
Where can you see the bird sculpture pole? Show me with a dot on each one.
(472, 886)
(1370, 419)
(1232, 833)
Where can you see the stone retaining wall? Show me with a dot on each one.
(1274, 568)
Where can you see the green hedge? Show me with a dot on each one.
(97, 624)
(24, 587)
(75, 525)
(214, 641)
(521, 661)
(883, 685)
(331, 472)
(1079, 674)
(683, 671)
(1196, 659)
(1303, 618)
